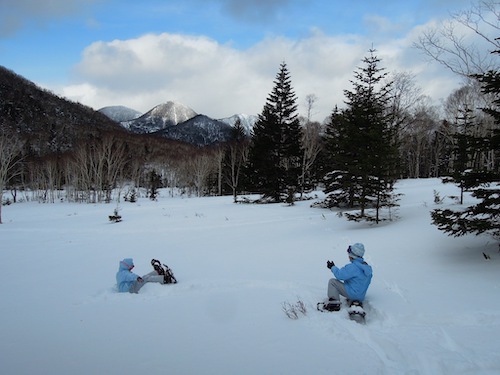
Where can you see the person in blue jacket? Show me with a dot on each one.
(352, 280)
(127, 281)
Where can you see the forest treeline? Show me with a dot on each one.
(386, 124)
(49, 153)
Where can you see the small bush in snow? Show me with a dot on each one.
(115, 217)
(292, 311)
(437, 197)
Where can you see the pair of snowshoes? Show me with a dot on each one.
(168, 275)
(355, 311)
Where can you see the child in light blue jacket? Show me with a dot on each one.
(127, 281)
(352, 280)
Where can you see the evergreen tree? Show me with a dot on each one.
(274, 164)
(340, 180)
(154, 184)
(482, 180)
(361, 145)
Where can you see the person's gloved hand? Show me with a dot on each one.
(139, 279)
(330, 264)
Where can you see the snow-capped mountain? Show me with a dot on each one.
(248, 121)
(200, 130)
(176, 121)
(160, 117)
(120, 113)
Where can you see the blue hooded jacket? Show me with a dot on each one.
(125, 277)
(356, 276)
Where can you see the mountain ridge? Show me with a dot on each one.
(177, 121)
(200, 130)
(46, 121)
(54, 124)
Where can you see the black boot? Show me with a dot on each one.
(157, 267)
(356, 303)
(332, 305)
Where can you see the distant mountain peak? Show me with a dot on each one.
(120, 113)
(160, 117)
(247, 121)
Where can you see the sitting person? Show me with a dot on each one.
(351, 281)
(128, 281)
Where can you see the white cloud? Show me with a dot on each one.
(219, 81)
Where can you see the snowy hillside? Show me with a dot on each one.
(160, 117)
(433, 305)
(120, 113)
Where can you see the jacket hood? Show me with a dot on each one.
(363, 266)
(126, 264)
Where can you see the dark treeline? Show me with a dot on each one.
(385, 130)
(88, 158)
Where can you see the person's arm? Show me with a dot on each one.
(344, 273)
(130, 276)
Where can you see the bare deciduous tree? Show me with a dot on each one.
(201, 165)
(405, 96)
(45, 176)
(417, 139)
(312, 145)
(114, 157)
(464, 43)
(311, 99)
(97, 167)
(311, 141)
(219, 153)
(10, 152)
(237, 155)
(462, 108)
(79, 174)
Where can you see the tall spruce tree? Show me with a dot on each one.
(482, 180)
(361, 145)
(274, 167)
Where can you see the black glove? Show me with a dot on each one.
(330, 264)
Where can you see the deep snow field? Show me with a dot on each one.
(433, 306)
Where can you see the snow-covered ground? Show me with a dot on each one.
(433, 306)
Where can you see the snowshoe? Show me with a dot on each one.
(331, 305)
(356, 312)
(168, 275)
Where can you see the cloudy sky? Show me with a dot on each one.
(219, 57)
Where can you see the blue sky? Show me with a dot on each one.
(219, 57)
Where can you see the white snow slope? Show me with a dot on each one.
(433, 306)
